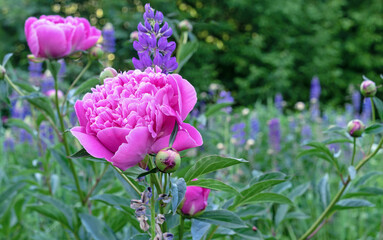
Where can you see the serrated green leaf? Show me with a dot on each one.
(214, 185)
(210, 164)
(97, 228)
(222, 218)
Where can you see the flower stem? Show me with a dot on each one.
(152, 211)
(373, 121)
(325, 213)
(353, 152)
(76, 80)
(65, 142)
(126, 179)
(181, 227)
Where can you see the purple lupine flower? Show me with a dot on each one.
(25, 136)
(349, 109)
(35, 69)
(225, 97)
(61, 73)
(254, 128)
(315, 88)
(306, 133)
(47, 83)
(366, 110)
(278, 102)
(274, 135)
(9, 144)
(109, 42)
(356, 98)
(152, 46)
(239, 133)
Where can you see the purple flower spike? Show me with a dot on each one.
(152, 46)
(315, 89)
(274, 135)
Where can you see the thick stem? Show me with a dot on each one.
(181, 227)
(152, 211)
(126, 179)
(76, 80)
(339, 194)
(65, 142)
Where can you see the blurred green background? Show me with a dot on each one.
(254, 48)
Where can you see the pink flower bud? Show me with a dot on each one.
(51, 94)
(368, 88)
(168, 160)
(195, 200)
(355, 128)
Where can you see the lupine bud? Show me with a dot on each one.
(96, 52)
(168, 160)
(185, 26)
(355, 128)
(107, 73)
(2, 72)
(368, 88)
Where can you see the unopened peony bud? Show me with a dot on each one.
(195, 200)
(168, 160)
(2, 72)
(355, 128)
(52, 94)
(107, 73)
(96, 52)
(368, 88)
(76, 55)
(185, 25)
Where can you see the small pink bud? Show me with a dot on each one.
(107, 73)
(355, 128)
(368, 88)
(96, 52)
(168, 160)
(185, 26)
(195, 200)
(51, 94)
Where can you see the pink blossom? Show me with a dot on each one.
(133, 114)
(195, 200)
(56, 37)
(52, 93)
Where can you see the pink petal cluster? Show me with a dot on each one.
(133, 114)
(56, 37)
(195, 200)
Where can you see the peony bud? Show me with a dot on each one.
(107, 73)
(2, 72)
(185, 26)
(195, 200)
(355, 128)
(368, 88)
(168, 160)
(96, 52)
(52, 94)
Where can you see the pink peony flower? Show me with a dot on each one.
(195, 200)
(133, 114)
(56, 37)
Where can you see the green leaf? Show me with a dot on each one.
(133, 172)
(365, 192)
(6, 58)
(111, 199)
(210, 164)
(154, 170)
(173, 134)
(15, 122)
(81, 153)
(253, 190)
(351, 203)
(185, 52)
(266, 198)
(352, 172)
(178, 191)
(374, 128)
(50, 212)
(367, 177)
(379, 107)
(27, 87)
(298, 191)
(214, 185)
(86, 86)
(43, 104)
(340, 140)
(322, 151)
(223, 218)
(97, 228)
(216, 108)
(54, 68)
(11, 191)
(324, 191)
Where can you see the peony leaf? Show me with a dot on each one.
(223, 218)
(97, 228)
(214, 185)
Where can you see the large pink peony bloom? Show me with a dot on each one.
(57, 37)
(195, 200)
(133, 114)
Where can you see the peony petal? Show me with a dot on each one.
(132, 152)
(187, 96)
(80, 112)
(27, 27)
(52, 41)
(187, 137)
(112, 138)
(91, 144)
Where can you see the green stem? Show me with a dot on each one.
(325, 213)
(76, 80)
(156, 179)
(353, 152)
(181, 227)
(211, 234)
(65, 142)
(95, 184)
(152, 211)
(126, 179)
